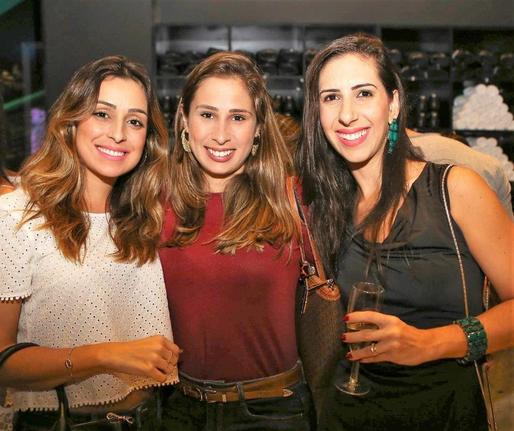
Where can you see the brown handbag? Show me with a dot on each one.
(319, 312)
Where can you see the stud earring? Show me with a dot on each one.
(392, 136)
(185, 141)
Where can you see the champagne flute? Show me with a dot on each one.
(364, 296)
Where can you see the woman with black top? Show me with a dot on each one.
(377, 213)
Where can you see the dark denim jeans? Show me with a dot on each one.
(293, 413)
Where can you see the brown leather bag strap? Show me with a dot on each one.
(291, 197)
(301, 223)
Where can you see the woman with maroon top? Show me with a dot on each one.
(230, 260)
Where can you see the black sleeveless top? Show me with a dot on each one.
(417, 263)
(419, 270)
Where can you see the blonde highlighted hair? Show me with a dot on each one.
(255, 203)
(54, 178)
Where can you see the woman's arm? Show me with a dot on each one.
(42, 368)
(489, 234)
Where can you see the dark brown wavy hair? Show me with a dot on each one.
(255, 202)
(328, 185)
(54, 177)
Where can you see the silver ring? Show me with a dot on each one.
(373, 347)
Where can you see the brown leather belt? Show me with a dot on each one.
(268, 387)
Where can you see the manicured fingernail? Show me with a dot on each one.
(346, 318)
(343, 336)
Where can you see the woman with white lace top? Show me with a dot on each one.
(79, 271)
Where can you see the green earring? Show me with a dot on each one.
(392, 136)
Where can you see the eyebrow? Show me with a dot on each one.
(141, 111)
(235, 110)
(355, 87)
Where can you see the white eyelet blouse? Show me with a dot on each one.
(68, 304)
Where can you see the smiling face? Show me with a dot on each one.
(222, 126)
(111, 140)
(355, 109)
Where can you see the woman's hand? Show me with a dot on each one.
(155, 357)
(394, 341)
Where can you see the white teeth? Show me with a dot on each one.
(111, 152)
(353, 136)
(216, 153)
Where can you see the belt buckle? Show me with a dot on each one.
(207, 391)
(192, 391)
(198, 393)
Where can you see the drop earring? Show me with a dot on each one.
(185, 141)
(255, 146)
(392, 136)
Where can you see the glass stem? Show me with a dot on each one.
(354, 376)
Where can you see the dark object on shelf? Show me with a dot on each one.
(422, 103)
(413, 73)
(417, 59)
(166, 104)
(188, 68)
(440, 60)
(172, 62)
(487, 58)
(289, 69)
(436, 73)
(434, 102)
(289, 106)
(308, 55)
(277, 102)
(433, 120)
(168, 120)
(421, 120)
(396, 56)
(269, 68)
(179, 63)
(289, 62)
(267, 61)
(464, 72)
(463, 57)
(507, 60)
(267, 56)
(505, 67)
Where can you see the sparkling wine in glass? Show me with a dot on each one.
(364, 296)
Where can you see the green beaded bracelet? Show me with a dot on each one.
(476, 338)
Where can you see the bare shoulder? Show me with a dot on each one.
(464, 181)
(471, 197)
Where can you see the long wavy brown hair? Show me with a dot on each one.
(255, 202)
(54, 177)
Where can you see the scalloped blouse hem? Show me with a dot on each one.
(15, 297)
(96, 403)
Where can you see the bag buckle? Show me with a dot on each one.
(113, 418)
(307, 269)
